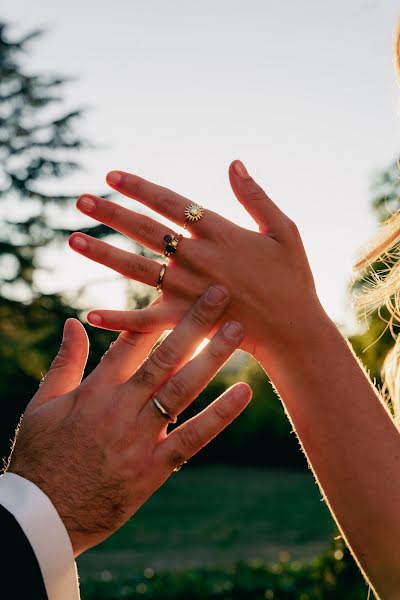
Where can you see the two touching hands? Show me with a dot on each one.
(100, 448)
(267, 273)
(106, 432)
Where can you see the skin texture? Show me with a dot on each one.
(250, 264)
(344, 428)
(100, 448)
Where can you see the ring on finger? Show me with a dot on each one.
(171, 244)
(161, 277)
(163, 411)
(179, 467)
(193, 212)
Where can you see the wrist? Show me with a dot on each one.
(301, 335)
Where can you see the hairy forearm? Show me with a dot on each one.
(351, 442)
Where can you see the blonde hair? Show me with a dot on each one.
(382, 289)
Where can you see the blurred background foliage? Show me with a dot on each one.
(39, 142)
(331, 576)
(376, 338)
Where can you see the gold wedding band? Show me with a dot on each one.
(164, 413)
(193, 212)
(161, 277)
(180, 466)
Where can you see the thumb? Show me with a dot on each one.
(265, 213)
(66, 370)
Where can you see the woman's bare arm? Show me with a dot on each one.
(351, 443)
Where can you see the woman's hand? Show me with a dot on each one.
(266, 273)
(100, 448)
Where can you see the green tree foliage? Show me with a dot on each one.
(331, 576)
(34, 147)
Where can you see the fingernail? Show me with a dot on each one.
(86, 204)
(94, 319)
(114, 177)
(216, 294)
(240, 169)
(78, 242)
(232, 330)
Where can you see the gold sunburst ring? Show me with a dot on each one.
(193, 213)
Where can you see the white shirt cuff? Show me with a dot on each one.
(46, 532)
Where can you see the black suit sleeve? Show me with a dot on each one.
(20, 575)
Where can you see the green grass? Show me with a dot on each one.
(217, 515)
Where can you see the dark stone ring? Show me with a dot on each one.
(171, 244)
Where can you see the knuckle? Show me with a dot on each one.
(135, 268)
(129, 339)
(221, 411)
(145, 322)
(100, 251)
(199, 315)
(134, 186)
(146, 230)
(59, 361)
(216, 351)
(164, 358)
(175, 459)
(144, 377)
(189, 439)
(292, 227)
(113, 214)
(166, 198)
(256, 193)
(178, 388)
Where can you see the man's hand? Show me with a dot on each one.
(100, 448)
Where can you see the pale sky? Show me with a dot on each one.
(305, 93)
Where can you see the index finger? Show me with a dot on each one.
(162, 200)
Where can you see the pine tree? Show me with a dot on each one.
(34, 148)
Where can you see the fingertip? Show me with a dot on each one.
(242, 393)
(68, 329)
(240, 170)
(113, 178)
(233, 331)
(86, 203)
(93, 318)
(74, 332)
(77, 242)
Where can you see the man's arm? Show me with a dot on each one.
(85, 460)
(20, 571)
(37, 559)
